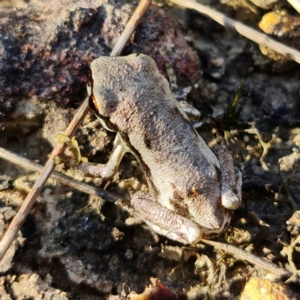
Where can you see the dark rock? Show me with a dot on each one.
(46, 49)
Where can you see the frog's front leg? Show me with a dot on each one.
(110, 168)
(165, 221)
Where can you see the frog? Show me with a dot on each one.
(193, 189)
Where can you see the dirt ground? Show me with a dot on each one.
(78, 246)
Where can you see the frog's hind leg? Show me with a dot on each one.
(164, 221)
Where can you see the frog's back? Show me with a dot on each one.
(135, 100)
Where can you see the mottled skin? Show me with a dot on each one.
(192, 190)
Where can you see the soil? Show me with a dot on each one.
(77, 246)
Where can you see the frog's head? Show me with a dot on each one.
(116, 84)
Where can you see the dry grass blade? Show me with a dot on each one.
(130, 27)
(251, 34)
(21, 215)
(249, 257)
(76, 184)
(295, 4)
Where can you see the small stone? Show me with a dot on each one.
(259, 288)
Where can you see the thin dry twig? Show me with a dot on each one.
(21, 215)
(249, 257)
(130, 27)
(250, 33)
(64, 179)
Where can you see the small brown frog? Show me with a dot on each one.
(192, 189)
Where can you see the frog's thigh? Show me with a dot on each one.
(109, 169)
(231, 179)
(165, 221)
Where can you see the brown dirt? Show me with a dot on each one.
(76, 246)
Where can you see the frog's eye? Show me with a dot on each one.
(92, 100)
(93, 103)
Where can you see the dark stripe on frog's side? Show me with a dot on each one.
(144, 166)
(218, 171)
(186, 120)
(148, 140)
(133, 150)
